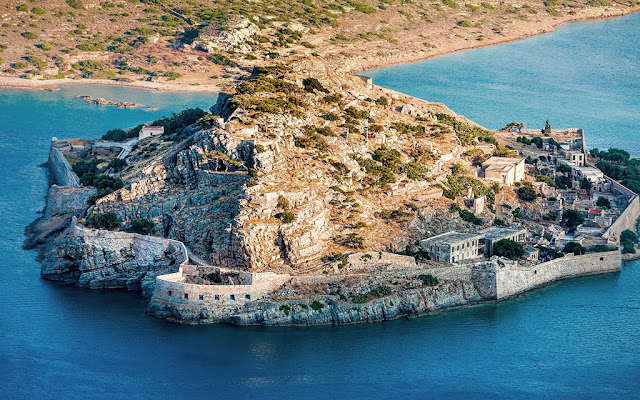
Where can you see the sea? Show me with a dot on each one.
(578, 338)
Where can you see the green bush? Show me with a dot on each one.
(29, 35)
(312, 85)
(450, 3)
(469, 217)
(143, 226)
(628, 239)
(429, 280)
(118, 164)
(508, 248)
(316, 305)
(108, 220)
(575, 248)
(38, 11)
(76, 4)
(286, 217)
(603, 202)
(286, 309)
(527, 192)
(572, 218)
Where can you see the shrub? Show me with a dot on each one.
(141, 225)
(286, 217)
(75, 4)
(29, 35)
(107, 220)
(575, 248)
(172, 76)
(286, 309)
(429, 280)
(603, 202)
(283, 203)
(469, 217)
(527, 192)
(601, 248)
(38, 11)
(117, 135)
(450, 3)
(316, 305)
(118, 164)
(628, 240)
(508, 248)
(214, 277)
(312, 84)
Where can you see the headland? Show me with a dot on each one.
(309, 196)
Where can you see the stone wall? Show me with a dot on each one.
(629, 217)
(511, 281)
(67, 199)
(173, 297)
(60, 169)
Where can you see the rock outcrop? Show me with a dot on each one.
(232, 36)
(108, 260)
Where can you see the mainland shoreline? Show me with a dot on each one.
(355, 66)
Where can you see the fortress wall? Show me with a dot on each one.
(170, 292)
(511, 281)
(61, 170)
(627, 220)
(67, 199)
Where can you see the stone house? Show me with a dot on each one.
(149, 130)
(503, 170)
(452, 247)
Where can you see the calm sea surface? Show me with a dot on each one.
(576, 339)
(583, 75)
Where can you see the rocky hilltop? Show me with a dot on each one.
(298, 164)
(304, 197)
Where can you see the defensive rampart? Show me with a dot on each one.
(60, 169)
(513, 280)
(629, 217)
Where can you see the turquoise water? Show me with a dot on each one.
(584, 75)
(575, 339)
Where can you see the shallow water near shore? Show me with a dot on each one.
(575, 339)
(583, 75)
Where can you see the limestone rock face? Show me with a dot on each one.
(233, 36)
(113, 261)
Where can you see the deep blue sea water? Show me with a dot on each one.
(576, 339)
(583, 75)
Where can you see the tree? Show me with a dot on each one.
(628, 240)
(118, 164)
(527, 192)
(575, 248)
(586, 184)
(572, 218)
(603, 202)
(564, 168)
(508, 248)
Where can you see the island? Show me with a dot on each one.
(308, 196)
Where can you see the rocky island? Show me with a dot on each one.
(306, 196)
